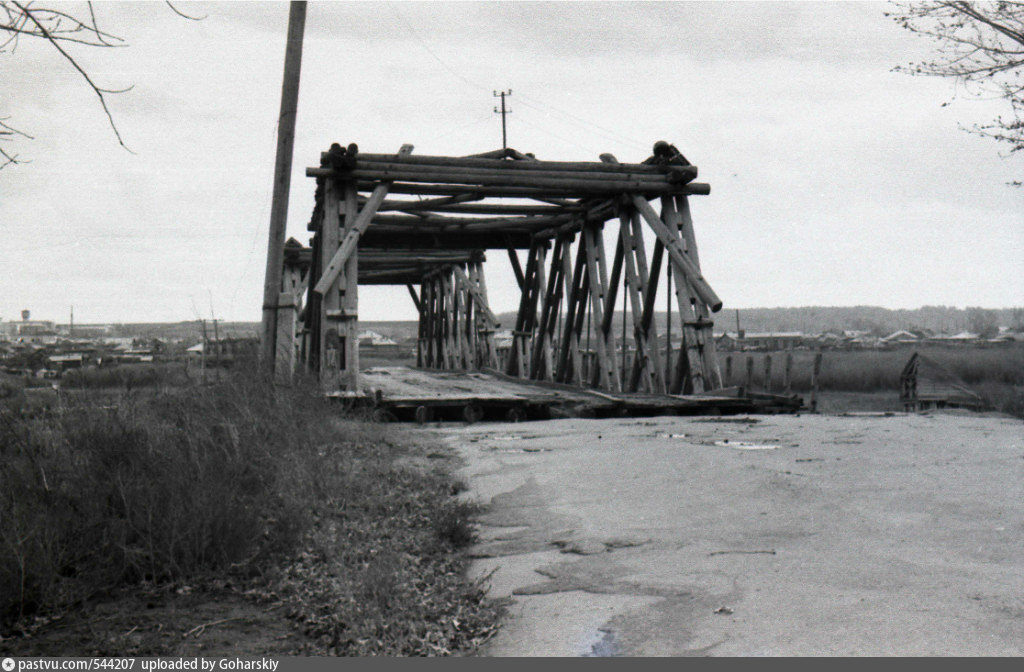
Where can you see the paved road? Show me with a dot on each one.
(753, 536)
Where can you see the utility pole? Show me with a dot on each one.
(503, 112)
(282, 181)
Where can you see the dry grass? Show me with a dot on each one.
(996, 373)
(268, 484)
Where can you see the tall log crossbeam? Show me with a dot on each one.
(425, 222)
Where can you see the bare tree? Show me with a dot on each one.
(64, 31)
(981, 44)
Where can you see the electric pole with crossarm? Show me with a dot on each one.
(503, 111)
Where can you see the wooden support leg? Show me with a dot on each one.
(549, 306)
(349, 328)
(421, 340)
(568, 366)
(689, 372)
(649, 278)
(331, 350)
(607, 333)
(284, 356)
(705, 336)
(491, 350)
(598, 291)
(517, 362)
(633, 289)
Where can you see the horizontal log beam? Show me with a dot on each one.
(504, 164)
(679, 175)
(420, 240)
(438, 205)
(459, 223)
(691, 189)
(571, 185)
(429, 204)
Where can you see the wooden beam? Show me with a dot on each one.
(481, 301)
(428, 204)
(517, 269)
(329, 340)
(369, 209)
(537, 193)
(683, 265)
(598, 290)
(633, 288)
(415, 299)
(525, 166)
(686, 268)
(349, 329)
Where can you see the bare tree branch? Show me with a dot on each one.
(70, 59)
(980, 44)
(183, 15)
(59, 27)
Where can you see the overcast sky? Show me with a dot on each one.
(834, 180)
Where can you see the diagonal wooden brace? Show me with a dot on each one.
(366, 215)
(478, 298)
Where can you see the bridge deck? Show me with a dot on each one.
(403, 393)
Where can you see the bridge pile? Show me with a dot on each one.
(428, 221)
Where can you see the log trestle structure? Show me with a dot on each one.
(427, 222)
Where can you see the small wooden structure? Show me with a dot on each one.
(925, 384)
(428, 221)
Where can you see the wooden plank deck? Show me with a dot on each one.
(403, 393)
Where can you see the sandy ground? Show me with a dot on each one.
(771, 535)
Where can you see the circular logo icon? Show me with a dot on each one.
(8, 664)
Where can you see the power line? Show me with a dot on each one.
(609, 133)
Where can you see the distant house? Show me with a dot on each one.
(372, 338)
(745, 340)
(65, 361)
(901, 336)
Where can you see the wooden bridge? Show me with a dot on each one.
(427, 222)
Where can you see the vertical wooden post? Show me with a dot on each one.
(284, 358)
(704, 328)
(643, 362)
(649, 278)
(349, 378)
(540, 359)
(689, 372)
(728, 370)
(492, 352)
(331, 350)
(576, 280)
(750, 373)
(282, 180)
(815, 375)
(787, 373)
(517, 355)
(767, 373)
(598, 291)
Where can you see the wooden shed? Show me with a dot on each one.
(925, 384)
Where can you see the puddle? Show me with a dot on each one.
(521, 450)
(663, 435)
(745, 445)
(600, 644)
